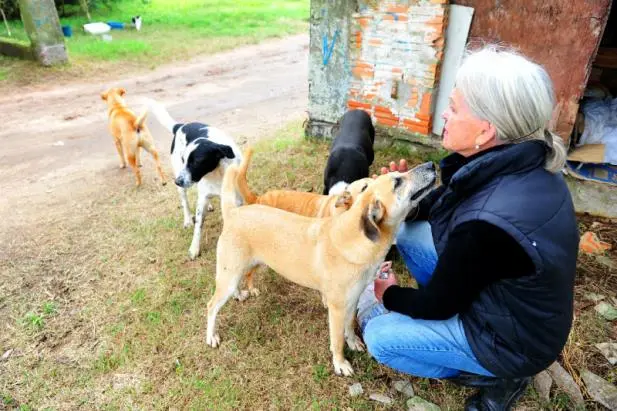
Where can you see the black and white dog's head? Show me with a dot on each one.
(196, 154)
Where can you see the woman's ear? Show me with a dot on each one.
(488, 134)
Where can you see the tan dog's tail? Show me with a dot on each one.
(138, 123)
(228, 190)
(241, 184)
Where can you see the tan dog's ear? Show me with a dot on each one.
(104, 96)
(371, 218)
(344, 200)
(121, 91)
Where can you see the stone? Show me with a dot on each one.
(356, 389)
(420, 404)
(542, 383)
(607, 311)
(565, 381)
(608, 350)
(600, 390)
(404, 387)
(596, 298)
(384, 399)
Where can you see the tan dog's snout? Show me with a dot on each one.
(422, 178)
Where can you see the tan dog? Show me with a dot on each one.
(338, 256)
(298, 202)
(130, 133)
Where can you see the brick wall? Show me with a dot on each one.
(396, 48)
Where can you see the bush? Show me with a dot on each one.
(11, 7)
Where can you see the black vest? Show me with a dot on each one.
(516, 327)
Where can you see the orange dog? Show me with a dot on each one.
(130, 133)
(298, 202)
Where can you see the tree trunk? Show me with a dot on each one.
(43, 28)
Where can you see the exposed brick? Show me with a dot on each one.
(422, 128)
(425, 106)
(387, 121)
(357, 104)
(397, 8)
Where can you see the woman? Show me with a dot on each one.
(493, 249)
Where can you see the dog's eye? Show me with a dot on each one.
(182, 158)
(397, 182)
(364, 188)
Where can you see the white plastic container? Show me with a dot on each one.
(97, 28)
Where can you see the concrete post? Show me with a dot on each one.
(43, 28)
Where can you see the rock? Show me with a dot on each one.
(609, 350)
(596, 298)
(121, 381)
(404, 387)
(600, 390)
(543, 383)
(384, 399)
(420, 404)
(6, 355)
(566, 383)
(607, 311)
(606, 261)
(356, 389)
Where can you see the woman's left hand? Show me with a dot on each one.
(381, 285)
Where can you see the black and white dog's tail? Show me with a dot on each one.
(162, 115)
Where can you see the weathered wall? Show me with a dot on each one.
(381, 56)
(329, 62)
(562, 35)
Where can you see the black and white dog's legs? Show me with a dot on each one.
(188, 218)
(203, 198)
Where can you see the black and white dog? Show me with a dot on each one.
(200, 154)
(351, 152)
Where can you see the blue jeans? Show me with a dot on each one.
(424, 348)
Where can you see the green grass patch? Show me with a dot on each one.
(176, 29)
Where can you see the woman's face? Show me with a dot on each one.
(463, 131)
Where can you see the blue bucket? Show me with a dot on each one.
(67, 31)
(115, 25)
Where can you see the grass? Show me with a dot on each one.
(122, 308)
(172, 31)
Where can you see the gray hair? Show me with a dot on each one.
(515, 95)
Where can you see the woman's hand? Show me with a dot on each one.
(382, 284)
(402, 167)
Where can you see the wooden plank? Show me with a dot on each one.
(562, 35)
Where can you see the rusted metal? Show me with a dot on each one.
(562, 35)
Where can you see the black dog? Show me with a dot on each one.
(351, 152)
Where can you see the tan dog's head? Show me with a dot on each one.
(114, 96)
(390, 197)
(358, 186)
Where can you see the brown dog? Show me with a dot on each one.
(303, 203)
(338, 255)
(130, 133)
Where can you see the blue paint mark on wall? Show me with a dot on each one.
(327, 49)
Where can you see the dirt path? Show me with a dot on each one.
(55, 144)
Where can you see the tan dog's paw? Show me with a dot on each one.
(213, 340)
(254, 292)
(194, 251)
(241, 295)
(343, 368)
(122, 166)
(355, 343)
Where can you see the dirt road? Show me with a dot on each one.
(56, 149)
